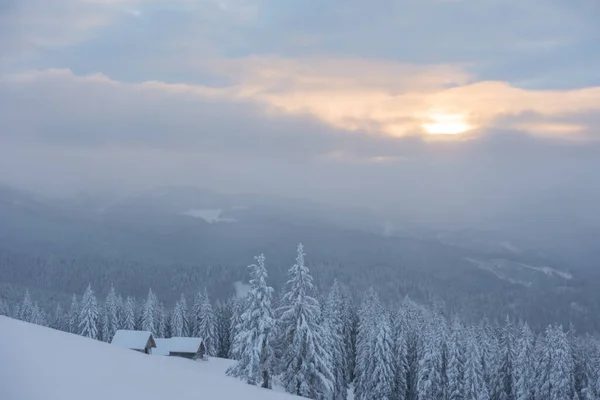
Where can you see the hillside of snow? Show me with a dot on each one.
(38, 363)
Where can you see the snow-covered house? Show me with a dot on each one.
(186, 347)
(141, 341)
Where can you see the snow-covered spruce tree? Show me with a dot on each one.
(129, 314)
(162, 320)
(334, 319)
(523, 368)
(414, 322)
(474, 387)
(504, 382)
(367, 326)
(16, 311)
(561, 367)
(235, 324)
(73, 317)
(455, 365)
(59, 321)
(399, 333)
(186, 317)
(4, 308)
(350, 329)
(223, 317)
(429, 380)
(587, 358)
(306, 364)
(111, 317)
(38, 316)
(149, 322)
(543, 361)
(178, 319)
(208, 329)
(254, 341)
(26, 308)
(382, 375)
(103, 324)
(120, 313)
(196, 315)
(88, 315)
(488, 345)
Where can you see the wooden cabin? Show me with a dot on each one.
(141, 341)
(186, 347)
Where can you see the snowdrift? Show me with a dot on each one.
(38, 363)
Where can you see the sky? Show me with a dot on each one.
(437, 110)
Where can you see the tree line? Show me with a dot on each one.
(322, 347)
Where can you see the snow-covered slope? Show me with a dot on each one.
(38, 363)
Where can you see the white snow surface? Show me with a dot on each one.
(39, 363)
(131, 339)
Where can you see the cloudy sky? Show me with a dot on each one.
(437, 109)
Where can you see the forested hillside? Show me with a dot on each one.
(152, 240)
(319, 347)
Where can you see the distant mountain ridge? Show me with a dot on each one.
(147, 240)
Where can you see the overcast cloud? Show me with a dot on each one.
(337, 102)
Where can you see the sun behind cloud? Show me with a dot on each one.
(446, 124)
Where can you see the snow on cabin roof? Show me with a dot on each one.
(136, 340)
(184, 344)
(162, 347)
(177, 345)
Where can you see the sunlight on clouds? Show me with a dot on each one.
(403, 100)
(380, 98)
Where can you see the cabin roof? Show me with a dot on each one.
(184, 344)
(162, 347)
(136, 340)
(177, 345)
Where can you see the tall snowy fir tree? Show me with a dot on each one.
(256, 333)
(237, 309)
(505, 380)
(26, 308)
(382, 374)
(223, 318)
(413, 327)
(207, 329)
(162, 322)
(73, 318)
(38, 316)
(59, 321)
(120, 313)
(429, 381)
(488, 345)
(524, 365)
(400, 331)
(543, 362)
(179, 318)
(195, 316)
(335, 323)
(4, 308)
(367, 326)
(88, 315)
(129, 314)
(560, 374)
(474, 387)
(111, 317)
(306, 364)
(455, 365)
(149, 310)
(103, 325)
